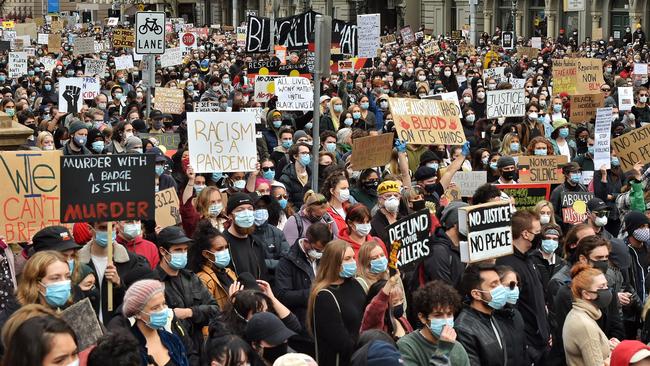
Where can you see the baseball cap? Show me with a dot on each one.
(172, 235)
(265, 326)
(56, 238)
(596, 204)
(628, 352)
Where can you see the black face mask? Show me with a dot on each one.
(398, 311)
(430, 188)
(371, 185)
(418, 205)
(601, 265)
(273, 353)
(509, 175)
(537, 241)
(603, 299)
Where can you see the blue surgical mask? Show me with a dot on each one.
(98, 146)
(493, 165)
(283, 203)
(433, 166)
(269, 174)
(239, 184)
(245, 219)
(160, 170)
(575, 177)
(514, 146)
(215, 209)
(356, 115)
(101, 238)
(287, 144)
(379, 265)
(348, 270)
(557, 108)
(217, 176)
(365, 105)
(198, 188)
(590, 150)
(48, 87)
(277, 124)
(564, 132)
(305, 159)
(57, 293)
(499, 296)
(540, 152)
(222, 258)
(71, 265)
(436, 325)
(158, 320)
(513, 295)
(261, 216)
(348, 122)
(330, 146)
(10, 112)
(615, 161)
(549, 245)
(338, 108)
(178, 260)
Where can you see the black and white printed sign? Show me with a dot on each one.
(488, 228)
(150, 33)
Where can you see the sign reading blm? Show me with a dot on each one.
(107, 188)
(150, 33)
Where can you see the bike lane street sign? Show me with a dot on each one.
(150, 33)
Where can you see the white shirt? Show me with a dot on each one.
(564, 149)
(100, 264)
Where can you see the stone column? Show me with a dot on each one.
(487, 21)
(12, 134)
(595, 24)
(550, 24)
(520, 31)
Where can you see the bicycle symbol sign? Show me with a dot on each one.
(150, 33)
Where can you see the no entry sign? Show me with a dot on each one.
(150, 33)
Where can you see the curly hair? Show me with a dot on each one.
(435, 295)
(530, 150)
(203, 236)
(115, 348)
(330, 183)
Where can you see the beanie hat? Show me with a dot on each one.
(137, 296)
(449, 215)
(389, 186)
(237, 200)
(381, 353)
(81, 233)
(505, 161)
(634, 220)
(76, 126)
(298, 135)
(131, 142)
(428, 156)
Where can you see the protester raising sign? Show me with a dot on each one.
(368, 33)
(427, 121)
(265, 87)
(541, 169)
(70, 97)
(633, 147)
(294, 94)
(468, 182)
(17, 64)
(577, 75)
(123, 38)
(602, 133)
(488, 228)
(412, 232)
(30, 194)
(574, 206)
(372, 151)
(258, 35)
(107, 188)
(526, 196)
(506, 103)
(94, 67)
(222, 141)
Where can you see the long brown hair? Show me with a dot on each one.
(34, 271)
(363, 261)
(203, 201)
(329, 270)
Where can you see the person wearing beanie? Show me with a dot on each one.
(431, 159)
(81, 233)
(377, 353)
(508, 173)
(248, 256)
(144, 301)
(78, 136)
(572, 183)
(636, 226)
(434, 187)
(389, 201)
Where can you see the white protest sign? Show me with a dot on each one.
(625, 98)
(171, 57)
(640, 69)
(90, 88)
(17, 64)
(497, 73)
(488, 228)
(94, 67)
(70, 98)
(206, 106)
(259, 112)
(602, 134)
(468, 182)
(84, 45)
(188, 42)
(124, 62)
(43, 38)
(506, 103)
(265, 87)
(150, 33)
(368, 33)
(48, 63)
(294, 94)
(517, 83)
(112, 22)
(222, 141)
(536, 42)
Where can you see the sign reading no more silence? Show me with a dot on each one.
(150, 33)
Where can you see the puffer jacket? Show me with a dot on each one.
(295, 189)
(274, 243)
(476, 332)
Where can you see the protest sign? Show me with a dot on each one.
(541, 169)
(497, 73)
(407, 35)
(346, 66)
(54, 43)
(70, 98)
(167, 208)
(94, 67)
(171, 57)
(388, 39)
(84, 45)
(564, 75)
(17, 64)
(170, 100)
(488, 228)
(48, 63)
(468, 182)
(241, 36)
(368, 33)
(583, 107)
(633, 147)
(31, 193)
(42, 38)
(123, 38)
(258, 35)
(294, 93)
(259, 112)
(412, 232)
(124, 62)
(536, 42)
(529, 52)
(107, 188)
(372, 151)
(281, 54)
(222, 141)
(640, 69)
(427, 121)
(506, 103)
(602, 134)
(81, 317)
(431, 48)
(517, 83)
(452, 97)
(625, 98)
(26, 29)
(90, 87)
(112, 22)
(188, 42)
(207, 106)
(169, 140)
(526, 196)
(264, 87)
(574, 206)
(589, 77)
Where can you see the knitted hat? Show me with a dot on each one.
(559, 122)
(132, 142)
(628, 352)
(505, 161)
(81, 233)
(137, 296)
(76, 126)
(634, 220)
(389, 186)
(449, 216)
(237, 200)
(381, 353)
(298, 135)
(428, 156)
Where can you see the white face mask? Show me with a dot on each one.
(363, 229)
(480, 95)
(391, 205)
(544, 219)
(467, 99)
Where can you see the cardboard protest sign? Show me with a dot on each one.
(294, 93)
(17, 64)
(372, 151)
(427, 121)
(488, 228)
(265, 87)
(590, 76)
(640, 69)
(452, 97)
(407, 35)
(54, 43)
(94, 67)
(583, 107)
(70, 98)
(123, 38)
(81, 317)
(625, 98)
(169, 140)
(167, 208)
(222, 141)
(48, 63)
(170, 100)
(574, 206)
(541, 169)
(496, 73)
(412, 232)
(506, 103)
(107, 188)
(431, 48)
(602, 136)
(90, 88)
(42, 38)
(529, 52)
(171, 57)
(368, 33)
(84, 45)
(124, 62)
(468, 182)
(517, 83)
(207, 106)
(564, 75)
(633, 147)
(526, 196)
(346, 66)
(31, 193)
(26, 29)
(388, 39)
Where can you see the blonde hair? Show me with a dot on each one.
(335, 116)
(41, 136)
(34, 271)
(363, 261)
(203, 201)
(505, 145)
(544, 203)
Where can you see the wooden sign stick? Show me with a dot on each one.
(109, 289)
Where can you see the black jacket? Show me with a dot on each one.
(443, 263)
(295, 189)
(274, 243)
(475, 331)
(512, 325)
(379, 226)
(293, 278)
(545, 269)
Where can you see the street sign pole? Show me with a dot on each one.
(151, 70)
(323, 40)
(150, 41)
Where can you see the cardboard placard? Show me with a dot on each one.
(431, 48)
(54, 43)
(107, 188)
(84, 45)
(574, 206)
(541, 169)
(264, 87)
(427, 121)
(372, 151)
(170, 100)
(94, 67)
(388, 39)
(222, 141)
(633, 147)
(506, 103)
(294, 93)
(167, 208)
(488, 228)
(412, 232)
(124, 62)
(81, 317)
(602, 136)
(468, 182)
(564, 75)
(583, 107)
(70, 96)
(526, 196)
(207, 106)
(590, 76)
(169, 140)
(31, 193)
(123, 38)
(529, 52)
(17, 64)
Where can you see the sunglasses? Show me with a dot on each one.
(281, 196)
(319, 202)
(268, 168)
(601, 213)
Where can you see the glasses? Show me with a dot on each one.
(601, 213)
(268, 168)
(321, 201)
(281, 196)
(605, 90)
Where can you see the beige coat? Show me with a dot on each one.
(584, 343)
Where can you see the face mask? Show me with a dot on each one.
(101, 238)
(98, 146)
(512, 295)
(348, 122)
(271, 354)
(544, 219)
(132, 231)
(222, 258)
(470, 118)
(501, 121)
(356, 115)
(499, 296)
(118, 96)
(379, 265)
(71, 265)
(57, 293)
(239, 184)
(399, 82)
(216, 176)
(178, 260)
(309, 125)
(349, 269)
(383, 104)
(600, 221)
(338, 108)
(159, 170)
(215, 209)
(467, 100)
(398, 311)
(391, 204)
(549, 245)
(344, 195)
(590, 150)
(514, 146)
(493, 165)
(198, 188)
(363, 229)
(101, 106)
(601, 265)
(564, 132)
(492, 86)
(480, 95)
(305, 160)
(643, 99)
(10, 112)
(615, 161)
(603, 299)
(365, 105)
(422, 77)
(436, 325)
(509, 175)
(540, 152)
(287, 144)
(245, 219)
(447, 73)
(261, 216)
(433, 166)
(269, 174)
(641, 234)
(158, 320)
(608, 70)
(532, 116)
(575, 177)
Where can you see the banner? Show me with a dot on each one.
(264, 87)
(526, 196)
(368, 33)
(84, 45)
(171, 57)
(123, 38)
(167, 208)
(344, 38)
(427, 121)
(294, 94)
(506, 103)
(17, 64)
(294, 31)
(574, 206)
(94, 67)
(583, 107)
(488, 228)
(541, 169)
(412, 232)
(31, 193)
(170, 100)
(371, 151)
(258, 35)
(169, 140)
(632, 147)
(70, 98)
(468, 182)
(222, 141)
(107, 188)
(602, 135)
